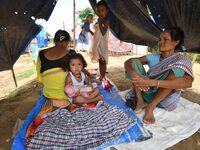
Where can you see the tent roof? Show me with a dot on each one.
(129, 19)
(131, 22)
(17, 26)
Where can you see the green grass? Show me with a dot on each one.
(25, 74)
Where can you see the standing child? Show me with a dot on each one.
(84, 39)
(34, 50)
(99, 48)
(78, 86)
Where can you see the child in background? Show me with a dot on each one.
(34, 50)
(78, 86)
(84, 38)
(99, 48)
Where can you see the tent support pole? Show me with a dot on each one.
(74, 30)
(63, 25)
(13, 73)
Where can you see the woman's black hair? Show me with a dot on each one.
(102, 3)
(177, 34)
(90, 15)
(61, 35)
(73, 55)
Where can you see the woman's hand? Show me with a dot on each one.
(142, 82)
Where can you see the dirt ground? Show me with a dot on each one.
(16, 103)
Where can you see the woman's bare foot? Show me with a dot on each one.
(149, 117)
(139, 107)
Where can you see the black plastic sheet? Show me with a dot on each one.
(131, 22)
(182, 13)
(17, 26)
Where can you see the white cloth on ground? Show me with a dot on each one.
(170, 127)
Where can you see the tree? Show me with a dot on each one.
(82, 15)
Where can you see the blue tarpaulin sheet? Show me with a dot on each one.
(134, 133)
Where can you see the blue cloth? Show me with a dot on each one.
(86, 26)
(34, 51)
(84, 35)
(20, 139)
(152, 59)
(134, 133)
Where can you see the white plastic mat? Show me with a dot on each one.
(170, 127)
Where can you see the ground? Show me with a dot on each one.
(16, 103)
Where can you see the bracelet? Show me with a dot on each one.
(158, 84)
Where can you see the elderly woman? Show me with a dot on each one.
(169, 72)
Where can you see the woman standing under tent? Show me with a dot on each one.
(83, 42)
(34, 50)
(169, 72)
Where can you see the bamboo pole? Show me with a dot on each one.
(74, 30)
(14, 78)
(63, 25)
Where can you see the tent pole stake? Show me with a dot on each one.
(13, 73)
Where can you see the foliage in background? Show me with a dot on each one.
(82, 15)
(191, 56)
(153, 49)
(198, 59)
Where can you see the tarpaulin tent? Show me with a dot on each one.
(130, 22)
(17, 26)
(182, 13)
